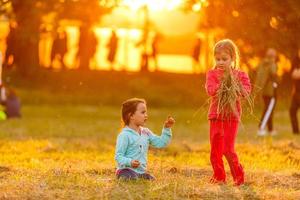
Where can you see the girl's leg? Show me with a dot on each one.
(270, 121)
(266, 100)
(127, 174)
(147, 176)
(216, 152)
(230, 132)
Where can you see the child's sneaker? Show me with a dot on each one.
(261, 132)
(241, 183)
(217, 182)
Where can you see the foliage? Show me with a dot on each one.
(28, 15)
(256, 24)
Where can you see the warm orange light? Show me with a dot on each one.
(197, 7)
(235, 13)
(153, 5)
(284, 64)
(274, 23)
(254, 62)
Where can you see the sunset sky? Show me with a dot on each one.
(178, 28)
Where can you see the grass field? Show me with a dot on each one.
(66, 150)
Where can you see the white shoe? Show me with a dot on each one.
(273, 133)
(261, 132)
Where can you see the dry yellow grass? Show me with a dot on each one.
(67, 153)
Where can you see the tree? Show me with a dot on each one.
(28, 15)
(256, 25)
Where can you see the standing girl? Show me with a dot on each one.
(226, 85)
(134, 140)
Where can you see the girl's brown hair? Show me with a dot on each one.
(128, 108)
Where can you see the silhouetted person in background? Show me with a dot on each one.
(295, 104)
(112, 48)
(3, 99)
(143, 43)
(11, 54)
(59, 48)
(149, 47)
(86, 47)
(12, 104)
(2, 89)
(9, 101)
(267, 81)
(196, 55)
(154, 49)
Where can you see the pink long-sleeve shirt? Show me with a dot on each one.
(213, 84)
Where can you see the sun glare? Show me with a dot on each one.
(153, 5)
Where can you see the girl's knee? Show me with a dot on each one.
(127, 177)
(127, 174)
(147, 176)
(229, 154)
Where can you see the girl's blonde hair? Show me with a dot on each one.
(230, 89)
(229, 47)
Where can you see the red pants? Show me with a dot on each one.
(222, 139)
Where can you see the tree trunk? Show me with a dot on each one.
(28, 22)
(28, 44)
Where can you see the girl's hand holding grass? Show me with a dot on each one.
(169, 122)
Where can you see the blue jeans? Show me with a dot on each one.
(128, 174)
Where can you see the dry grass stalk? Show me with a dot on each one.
(229, 92)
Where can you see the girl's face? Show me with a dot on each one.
(223, 60)
(140, 116)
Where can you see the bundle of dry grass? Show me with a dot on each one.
(229, 92)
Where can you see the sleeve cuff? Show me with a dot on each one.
(167, 131)
(128, 162)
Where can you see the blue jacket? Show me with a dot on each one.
(134, 146)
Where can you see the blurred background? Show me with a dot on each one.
(173, 29)
(98, 38)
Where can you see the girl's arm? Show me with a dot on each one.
(212, 83)
(121, 147)
(245, 81)
(162, 140)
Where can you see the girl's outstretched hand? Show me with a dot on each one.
(169, 122)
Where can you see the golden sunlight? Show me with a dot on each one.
(153, 5)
